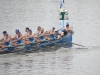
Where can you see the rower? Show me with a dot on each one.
(27, 32)
(64, 31)
(5, 41)
(40, 35)
(30, 38)
(18, 38)
(67, 30)
(51, 33)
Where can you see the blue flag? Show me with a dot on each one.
(61, 4)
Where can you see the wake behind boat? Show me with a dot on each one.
(39, 40)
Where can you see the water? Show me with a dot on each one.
(84, 16)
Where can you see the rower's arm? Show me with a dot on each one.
(53, 32)
(32, 36)
(14, 37)
(25, 35)
(1, 38)
(9, 38)
(21, 37)
(36, 33)
(48, 31)
(69, 30)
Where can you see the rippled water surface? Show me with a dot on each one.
(84, 16)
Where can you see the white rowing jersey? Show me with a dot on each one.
(18, 36)
(5, 38)
(39, 34)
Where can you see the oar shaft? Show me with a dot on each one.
(78, 44)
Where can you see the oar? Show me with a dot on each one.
(78, 44)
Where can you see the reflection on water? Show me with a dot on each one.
(84, 16)
(62, 61)
(45, 63)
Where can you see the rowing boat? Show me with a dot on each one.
(65, 41)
